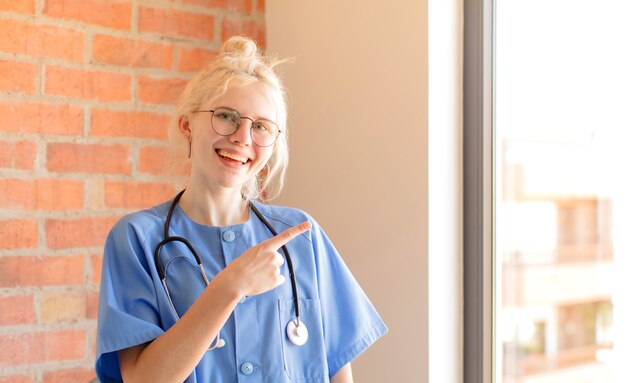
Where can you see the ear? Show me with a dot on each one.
(184, 126)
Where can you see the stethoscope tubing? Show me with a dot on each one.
(292, 275)
(167, 239)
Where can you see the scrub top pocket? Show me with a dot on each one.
(306, 362)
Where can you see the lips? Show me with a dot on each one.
(233, 156)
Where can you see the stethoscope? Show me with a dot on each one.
(296, 329)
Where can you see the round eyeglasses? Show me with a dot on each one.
(226, 121)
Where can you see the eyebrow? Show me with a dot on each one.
(241, 115)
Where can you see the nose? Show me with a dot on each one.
(243, 134)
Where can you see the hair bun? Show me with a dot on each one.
(240, 46)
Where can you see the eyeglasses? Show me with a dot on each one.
(226, 121)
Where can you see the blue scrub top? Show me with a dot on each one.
(134, 308)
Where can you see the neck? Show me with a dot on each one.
(224, 207)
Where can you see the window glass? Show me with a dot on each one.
(560, 209)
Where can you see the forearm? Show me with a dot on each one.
(344, 375)
(173, 356)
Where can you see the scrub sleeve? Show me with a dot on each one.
(127, 309)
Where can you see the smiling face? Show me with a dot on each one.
(228, 162)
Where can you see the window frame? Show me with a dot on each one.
(478, 192)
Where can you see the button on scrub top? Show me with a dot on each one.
(134, 308)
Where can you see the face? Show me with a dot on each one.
(228, 162)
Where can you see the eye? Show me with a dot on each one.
(225, 115)
(261, 126)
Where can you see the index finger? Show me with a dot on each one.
(281, 239)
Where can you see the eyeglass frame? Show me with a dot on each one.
(212, 111)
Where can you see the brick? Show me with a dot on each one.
(135, 124)
(77, 374)
(18, 77)
(21, 6)
(119, 194)
(24, 348)
(23, 271)
(96, 268)
(94, 344)
(194, 59)
(17, 309)
(131, 52)
(88, 158)
(42, 346)
(244, 6)
(18, 155)
(160, 90)
(77, 232)
(64, 307)
(175, 23)
(41, 194)
(17, 379)
(251, 28)
(65, 345)
(95, 201)
(164, 161)
(59, 194)
(83, 84)
(38, 40)
(113, 14)
(38, 118)
(18, 233)
(260, 6)
(91, 311)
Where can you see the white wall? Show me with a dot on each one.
(445, 169)
(360, 159)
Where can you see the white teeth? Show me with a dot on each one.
(232, 156)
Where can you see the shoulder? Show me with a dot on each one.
(283, 214)
(141, 223)
(284, 217)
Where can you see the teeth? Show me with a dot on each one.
(232, 156)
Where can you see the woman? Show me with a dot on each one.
(233, 318)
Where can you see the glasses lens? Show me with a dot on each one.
(264, 132)
(225, 121)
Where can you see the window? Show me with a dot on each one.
(545, 89)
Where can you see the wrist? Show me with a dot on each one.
(228, 285)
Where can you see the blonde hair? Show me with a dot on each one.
(238, 64)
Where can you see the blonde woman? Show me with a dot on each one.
(215, 286)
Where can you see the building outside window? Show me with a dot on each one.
(559, 194)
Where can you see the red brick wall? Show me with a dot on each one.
(87, 89)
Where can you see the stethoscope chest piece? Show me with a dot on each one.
(297, 333)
